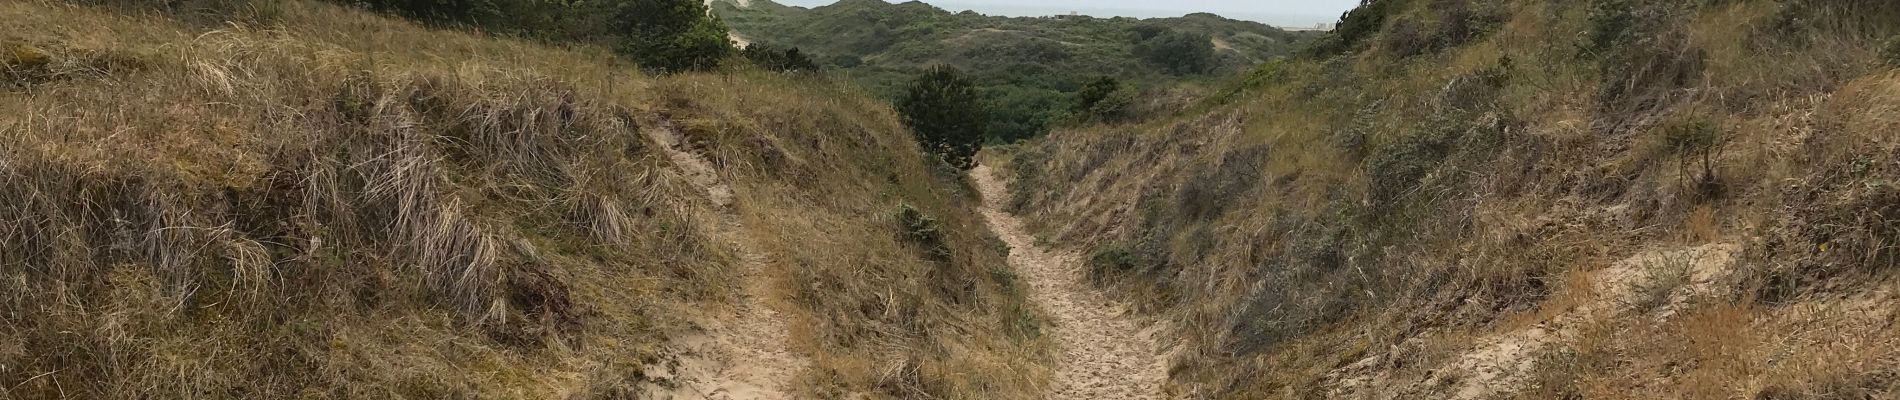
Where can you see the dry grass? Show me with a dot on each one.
(881, 313)
(315, 202)
(1412, 207)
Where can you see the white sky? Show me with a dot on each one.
(1277, 12)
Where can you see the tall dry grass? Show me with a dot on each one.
(310, 201)
(1376, 216)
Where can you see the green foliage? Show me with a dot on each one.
(1104, 99)
(1461, 22)
(923, 231)
(1179, 53)
(669, 35)
(1018, 112)
(466, 11)
(1447, 24)
(1094, 92)
(1116, 260)
(942, 108)
(536, 18)
(1355, 26)
(1890, 53)
(1612, 22)
(662, 36)
(1396, 169)
(1694, 141)
(1122, 259)
(776, 59)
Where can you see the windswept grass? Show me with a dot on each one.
(316, 202)
(1442, 171)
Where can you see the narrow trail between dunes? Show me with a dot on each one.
(740, 356)
(1105, 352)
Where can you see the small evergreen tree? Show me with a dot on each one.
(943, 109)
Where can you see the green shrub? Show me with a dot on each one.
(942, 109)
(1018, 112)
(1396, 169)
(1095, 91)
(923, 231)
(777, 59)
(1179, 53)
(1104, 99)
(1612, 22)
(1113, 259)
(1694, 141)
(1461, 22)
(1354, 27)
(668, 36)
(1890, 52)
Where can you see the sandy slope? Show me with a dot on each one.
(742, 356)
(1106, 355)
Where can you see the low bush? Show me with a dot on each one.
(1355, 26)
(1179, 53)
(1890, 52)
(778, 59)
(922, 230)
(1113, 259)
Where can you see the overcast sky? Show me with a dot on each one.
(1276, 12)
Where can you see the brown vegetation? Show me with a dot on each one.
(1425, 214)
(330, 204)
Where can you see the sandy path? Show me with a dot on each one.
(740, 356)
(1105, 354)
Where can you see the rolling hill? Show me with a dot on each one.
(1026, 66)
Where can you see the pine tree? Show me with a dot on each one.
(943, 109)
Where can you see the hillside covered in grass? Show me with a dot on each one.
(1529, 199)
(1028, 67)
(294, 199)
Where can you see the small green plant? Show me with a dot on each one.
(1663, 276)
(924, 231)
(1112, 259)
(1890, 52)
(1005, 278)
(1695, 141)
(1124, 258)
(1611, 22)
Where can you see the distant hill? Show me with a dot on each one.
(1027, 65)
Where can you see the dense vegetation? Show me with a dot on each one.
(1516, 199)
(1027, 70)
(662, 35)
(941, 108)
